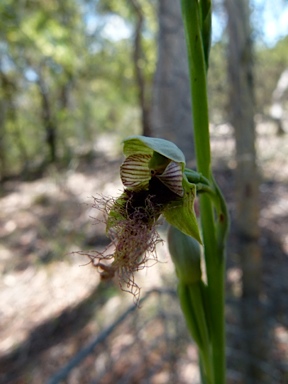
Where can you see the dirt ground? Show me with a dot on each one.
(52, 301)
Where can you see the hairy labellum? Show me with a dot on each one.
(131, 226)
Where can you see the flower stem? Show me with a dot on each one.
(194, 23)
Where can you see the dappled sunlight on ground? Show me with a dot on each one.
(29, 297)
(43, 283)
(273, 153)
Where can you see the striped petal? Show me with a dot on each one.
(134, 171)
(172, 178)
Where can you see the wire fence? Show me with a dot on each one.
(140, 346)
(150, 345)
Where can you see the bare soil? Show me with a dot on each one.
(52, 301)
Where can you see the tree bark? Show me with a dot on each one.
(138, 56)
(2, 140)
(48, 121)
(171, 106)
(240, 72)
(277, 110)
(8, 113)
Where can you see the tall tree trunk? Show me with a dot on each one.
(2, 140)
(8, 112)
(138, 56)
(277, 110)
(48, 120)
(240, 68)
(171, 106)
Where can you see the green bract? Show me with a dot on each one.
(154, 168)
(182, 215)
(186, 255)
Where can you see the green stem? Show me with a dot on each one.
(197, 69)
(214, 257)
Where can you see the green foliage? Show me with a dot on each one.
(270, 62)
(50, 54)
(55, 70)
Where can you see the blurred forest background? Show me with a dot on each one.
(76, 77)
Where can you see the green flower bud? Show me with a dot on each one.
(186, 255)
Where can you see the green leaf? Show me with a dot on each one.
(181, 214)
(148, 145)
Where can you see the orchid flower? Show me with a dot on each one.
(153, 175)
